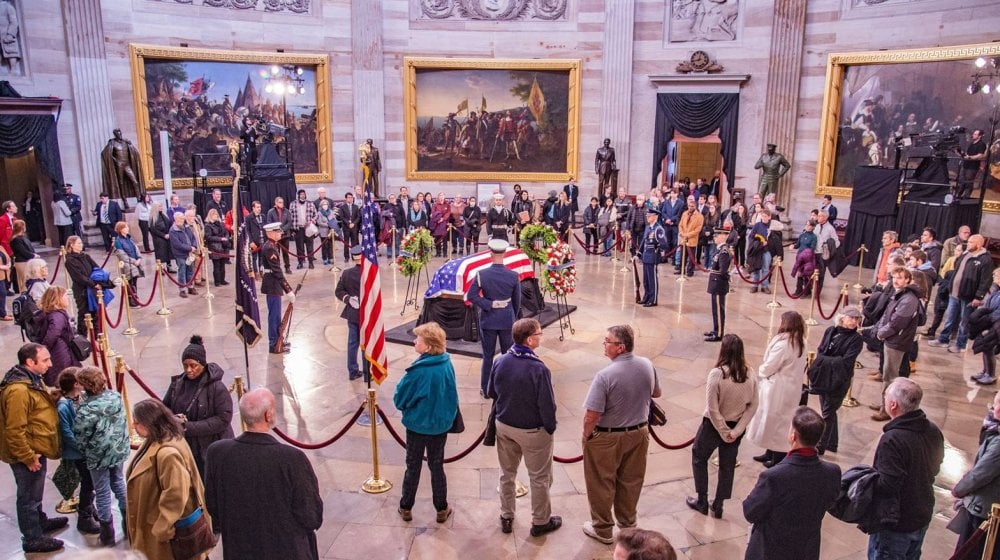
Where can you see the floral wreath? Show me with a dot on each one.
(532, 233)
(559, 276)
(415, 251)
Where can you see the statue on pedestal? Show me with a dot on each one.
(120, 174)
(774, 166)
(10, 38)
(371, 164)
(604, 165)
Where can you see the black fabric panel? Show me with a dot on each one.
(20, 133)
(696, 115)
(944, 218)
(866, 228)
(875, 191)
(532, 299)
(452, 314)
(267, 191)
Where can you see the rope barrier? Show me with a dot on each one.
(142, 384)
(152, 293)
(567, 460)
(395, 435)
(106, 259)
(754, 282)
(307, 255)
(56, 271)
(325, 443)
(819, 307)
(190, 282)
(660, 442)
(697, 265)
(784, 283)
(583, 244)
(121, 309)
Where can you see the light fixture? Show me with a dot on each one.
(275, 70)
(980, 62)
(986, 89)
(269, 88)
(299, 70)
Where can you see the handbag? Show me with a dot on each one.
(193, 536)
(656, 415)
(458, 425)
(80, 347)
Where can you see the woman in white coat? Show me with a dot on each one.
(779, 389)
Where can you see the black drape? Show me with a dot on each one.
(696, 115)
(873, 210)
(944, 218)
(19, 133)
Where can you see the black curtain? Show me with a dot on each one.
(873, 210)
(19, 133)
(696, 115)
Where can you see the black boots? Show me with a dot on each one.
(699, 504)
(107, 533)
(86, 521)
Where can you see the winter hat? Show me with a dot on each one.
(195, 351)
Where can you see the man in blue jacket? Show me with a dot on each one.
(496, 291)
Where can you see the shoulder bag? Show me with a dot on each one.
(656, 415)
(193, 536)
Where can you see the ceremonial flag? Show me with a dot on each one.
(455, 276)
(197, 87)
(463, 106)
(536, 101)
(247, 308)
(370, 313)
(482, 106)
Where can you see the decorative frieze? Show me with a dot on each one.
(702, 22)
(289, 6)
(493, 10)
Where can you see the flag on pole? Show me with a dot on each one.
(247, 307)
(482, 106)
(463, 106)
(197, 87)
(536, 101)
(370, 313)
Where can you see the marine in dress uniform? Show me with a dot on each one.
(349, 291)
(496, 291)
(718, 285)
(654, 240)
(273, 285)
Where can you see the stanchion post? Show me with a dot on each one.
(451, 241)
(240, 389)
(130, 330)
(861, 261)
(164, 310)
(683, 275)
(376, 484)
(88, 321)
(991, 531)
(133, 436)
(614, 252)
(776, 266)
(843, 294)
(627, 243)
(102, 312)
(812, 300)
(204, 267)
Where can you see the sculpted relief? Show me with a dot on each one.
(702, 20)
(11, 52)
(291, 6)
(494, 10)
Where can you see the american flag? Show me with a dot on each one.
(455, 277)
(372, 327)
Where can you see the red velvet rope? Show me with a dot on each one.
(107, 258)
(660, 442)
(749, 281)
(190, 282)
(298, 256)
(97, 348)
(142, 384)
(56, 271)
(583, 244)
(784, 283)
(152, 293)
(965, 552)
(121, 309)
(325, 443)
(93, 345)
(402, 442)
(697, 264)
(819, 306)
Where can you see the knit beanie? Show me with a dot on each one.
(195, 351)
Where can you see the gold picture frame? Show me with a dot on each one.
(836, 73)
(551, 126)
(315, 65)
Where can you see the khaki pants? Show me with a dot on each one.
(535, 446)
(891, 363)
(614, 467)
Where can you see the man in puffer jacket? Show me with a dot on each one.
(896, 330)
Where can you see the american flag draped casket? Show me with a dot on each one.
(455, 277)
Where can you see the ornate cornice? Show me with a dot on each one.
(289, 6)
(481, 10)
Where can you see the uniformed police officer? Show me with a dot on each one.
(718, 285)
(496, 291)
(273, 284)
(348, 290)
(654, 240)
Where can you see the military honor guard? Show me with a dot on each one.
(273, 284)
(498, 219)
(718, 284)
(348, 290)
(496, 291)
(654, 240)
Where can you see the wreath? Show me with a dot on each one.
(415, 251)
(559, 276)
(534, 233)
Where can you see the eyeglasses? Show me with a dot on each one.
(606, 342)
(539, 333)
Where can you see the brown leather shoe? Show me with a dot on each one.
(444, 514)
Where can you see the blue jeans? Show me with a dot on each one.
(184, 271)
(765, 268)
(890, 545)
(107, 481)
(273, 319)
(30, 487)
(353, 344)
(959, 311)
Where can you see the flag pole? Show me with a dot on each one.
(233, 151)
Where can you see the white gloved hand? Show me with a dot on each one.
(354, 302)
(117, 282)
(290, 296)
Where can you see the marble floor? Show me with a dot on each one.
(316, 399)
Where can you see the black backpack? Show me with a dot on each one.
(29, 317)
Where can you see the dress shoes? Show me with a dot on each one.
(444, 514)
(649, 305)
(507, 525)
(698, 504)
(708, 333)
(554, 523)
(405, 514)
(713, 338)
(42, 544)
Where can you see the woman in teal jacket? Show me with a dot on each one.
(428, 400)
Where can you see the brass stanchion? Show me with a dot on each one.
(120, 370)
(849, 400)
(776, 265)
(88, 321)
(843, 294)
(451, 242)
(240, 389)
(130, 330)
(614, 252)
(683, 275)
(375, 484)
(203, 267)
(164, 310)
(103, 316)
(991, 532)
(627, 243)
(861, 261)
(812, 300)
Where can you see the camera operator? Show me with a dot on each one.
(972, 162)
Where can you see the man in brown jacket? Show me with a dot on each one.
(30, 436)
(689, 229)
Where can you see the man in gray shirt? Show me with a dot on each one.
(615, 436)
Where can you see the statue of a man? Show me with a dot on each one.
(120, 172)
(371, 164)
(604, 164)
(10, 43)
(774, 166)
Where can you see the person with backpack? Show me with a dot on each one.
(896, 330)
(37, 279)
(56, 333)
(79, 265)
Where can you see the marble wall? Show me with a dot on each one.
(580, 31)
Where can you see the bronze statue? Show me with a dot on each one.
(774, 167)
(604, 165)
(371, 164)
(10, 42)
(120, 174)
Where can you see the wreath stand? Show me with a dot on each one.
(413, 290)
(562, 305)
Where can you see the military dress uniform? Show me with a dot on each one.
(348, 290)
(654, 240)
(718, 288)
(496, 291)
(274, 286)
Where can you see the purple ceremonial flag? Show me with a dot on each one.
(247, 307)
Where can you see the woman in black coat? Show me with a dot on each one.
(160, 228)
(58, 333)
(472, 223)
(562, 214)
(79, 265)
(20, 245)
(201, 400)
(832, 371)
(218, 243)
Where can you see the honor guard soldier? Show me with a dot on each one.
(654, 240)
(348, 290)
(273, 284)
(718, 284)
(496, 291)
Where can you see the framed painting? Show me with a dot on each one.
(201, 97)
(882, 103)
(491, 120)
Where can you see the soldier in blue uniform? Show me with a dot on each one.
(654, 241)
(273, 284)
(496, 291)
(718, 285)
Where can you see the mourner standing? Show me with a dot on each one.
(496, 291)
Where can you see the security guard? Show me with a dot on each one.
(718, 284)
(348, 290)
(496, 291)
(273, 284)
(654, 240)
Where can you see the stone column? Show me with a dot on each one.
(616, 95)
(93, 109)
(782, 98)
(367, 65)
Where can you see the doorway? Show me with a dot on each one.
(18, 176)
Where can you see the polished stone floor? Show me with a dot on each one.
(315, 399)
